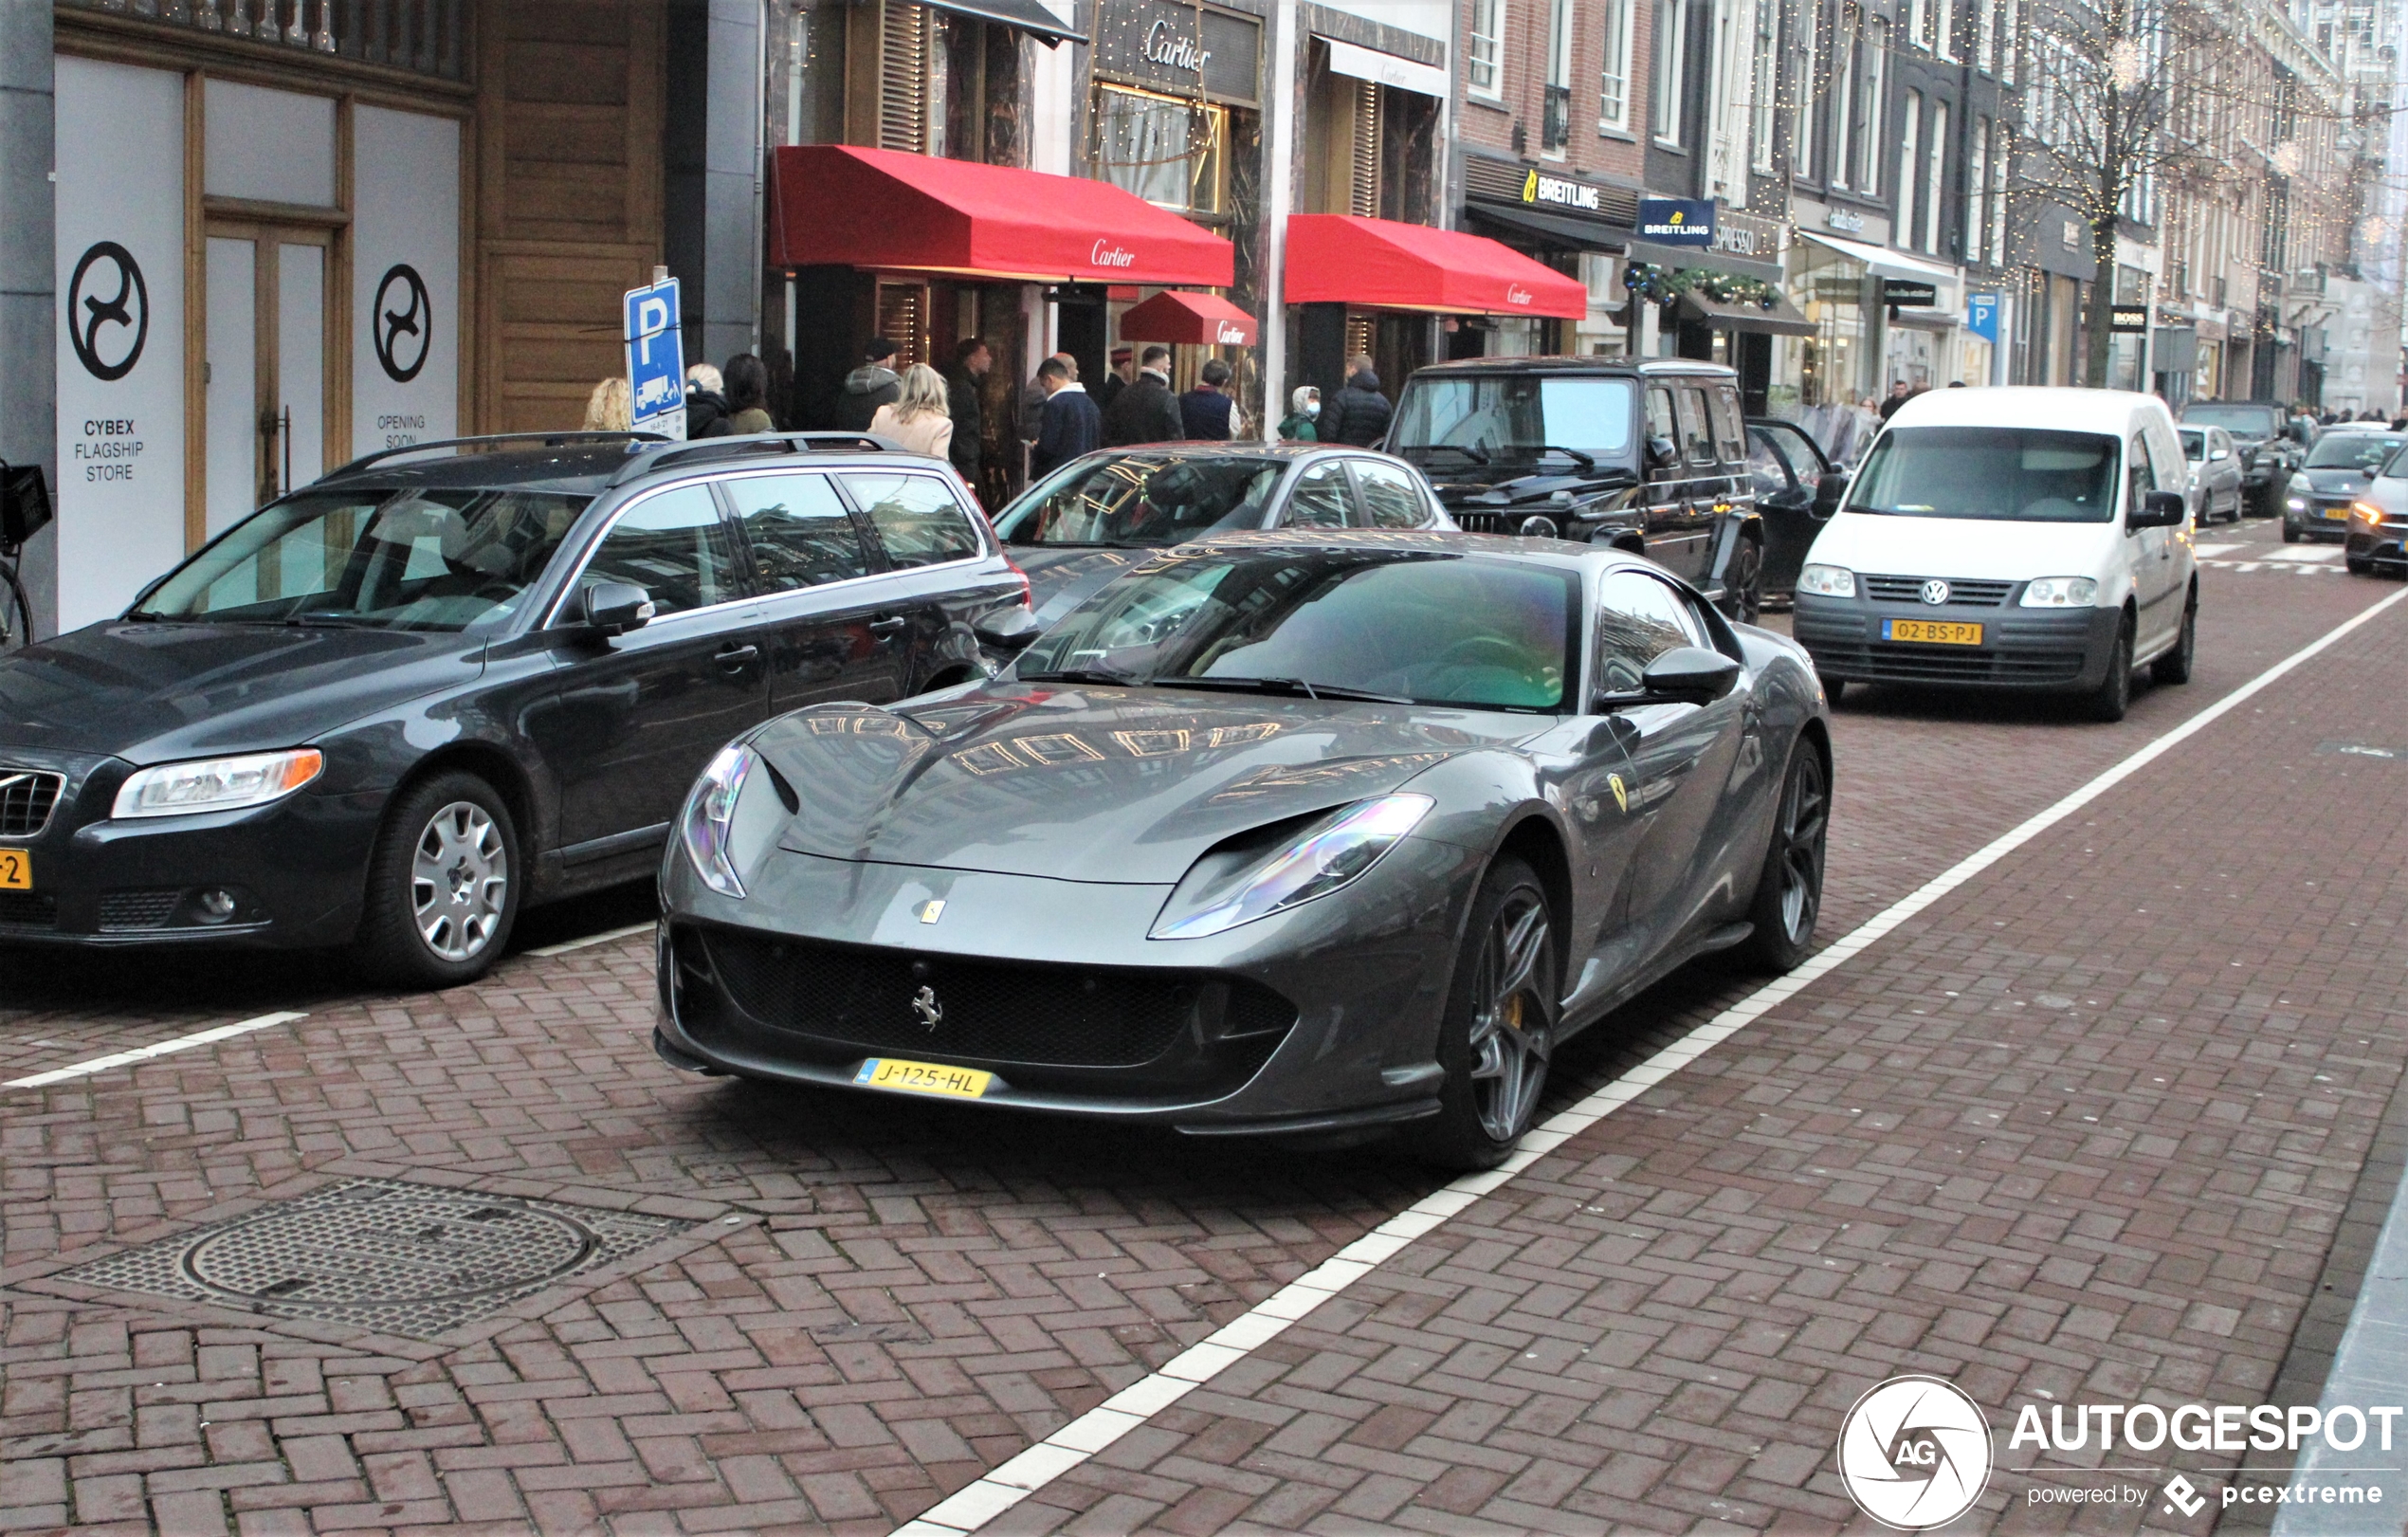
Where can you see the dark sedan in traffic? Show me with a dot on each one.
(1330, 832)
(398, 705)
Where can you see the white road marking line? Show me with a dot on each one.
(2205, 549)
(977, 1502)
(2311, 552)
(566, 945)
(144, 1053)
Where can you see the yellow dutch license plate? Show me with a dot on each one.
(922, 1078)
(1939, 631)
(16, 871)
(2336, 512)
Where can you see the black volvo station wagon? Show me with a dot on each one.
(395, 707)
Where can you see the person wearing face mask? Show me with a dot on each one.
(1299, 425)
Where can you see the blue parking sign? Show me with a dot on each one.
(1981, 316)
(655, 359)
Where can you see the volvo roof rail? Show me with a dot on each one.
(650, 457)
(635, 441)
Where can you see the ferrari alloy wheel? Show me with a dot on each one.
(1789, 891)
(442, 891)
(1500, 1027)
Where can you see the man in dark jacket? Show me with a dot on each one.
(1206, 409)
(869, 387)
(1358, 414)
(707, 408)
(1124, 367)
(971, 361)
(1146, 412)
(1071, 425)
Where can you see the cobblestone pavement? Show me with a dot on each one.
(2085, 1125)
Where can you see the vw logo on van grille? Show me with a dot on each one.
(1935, 590)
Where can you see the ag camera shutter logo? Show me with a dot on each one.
(1914, 1453)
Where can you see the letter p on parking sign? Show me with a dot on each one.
(655, 359)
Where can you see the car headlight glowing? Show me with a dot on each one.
(217, 784)
(1325, 855)
(1828, 582)
(2366, 513)
(2297, 503)
(707, 825)
(2059, 592)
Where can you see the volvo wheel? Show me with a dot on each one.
(443, 886)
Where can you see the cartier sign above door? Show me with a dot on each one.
(1178, 48)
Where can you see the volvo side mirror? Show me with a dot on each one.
(615, 607)
(1006, 630)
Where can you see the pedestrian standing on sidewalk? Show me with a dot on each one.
(748, 395)
(971, 360)
(1299, 423)
(869, 387)
(1071, 425)
(1122, 374)
(919, 417)
(1360, 415)
(607, 409)
(1146, 412)
(1207, 413)
(705, 403)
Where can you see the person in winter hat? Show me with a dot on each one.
(1360, 415)
(869, 387)
(1146, 412)
(1300, 424)
(706, 409)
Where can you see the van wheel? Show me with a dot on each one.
(2175, 665)
(442, 885)
(2114, 694)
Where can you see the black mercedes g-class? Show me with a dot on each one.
(1648, 455)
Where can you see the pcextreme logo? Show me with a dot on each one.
(1914, 1453)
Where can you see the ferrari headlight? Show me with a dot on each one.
(1828, 582)
(2059, 592)
(1325, 855)
(217, 784)
(708, 825)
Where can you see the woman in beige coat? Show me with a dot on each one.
(919, 417)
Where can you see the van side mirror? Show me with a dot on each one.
(615, 607)
(2159, 509)
(1829, 492)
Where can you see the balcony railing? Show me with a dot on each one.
(1555, 131)
(426, 37)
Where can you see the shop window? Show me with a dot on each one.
(980, 87)
(1614, 84)
(1488, 35)
(1762, 84)
(1671, 70)
(903, 319)
(1170, 151)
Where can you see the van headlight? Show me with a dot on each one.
(709, 823)
(1325, 855)
(217, 784)
(2060, 593)
(1828, 582)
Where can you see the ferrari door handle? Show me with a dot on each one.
(891, 625)
(738, 657)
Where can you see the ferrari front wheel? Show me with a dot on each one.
(1498, 1031)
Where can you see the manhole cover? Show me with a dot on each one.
(383, 1254)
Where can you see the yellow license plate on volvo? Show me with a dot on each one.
(1931, 632)
(16, 871)
(922, 1078)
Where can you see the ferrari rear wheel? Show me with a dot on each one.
(1789, 893)
(1498, 1031)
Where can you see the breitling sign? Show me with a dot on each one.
(1558, 192)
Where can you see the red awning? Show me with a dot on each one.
(840, 205)
(1203, 319)
(1378, 264)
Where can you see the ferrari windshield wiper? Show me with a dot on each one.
(1285, 686)
(329, 621)
(1101, 675)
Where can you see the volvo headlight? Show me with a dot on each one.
(1326, 855)
(2060, 593)
(217, 784)
(708, 825)
(1828, 582)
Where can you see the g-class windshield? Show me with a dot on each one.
(1517, 418)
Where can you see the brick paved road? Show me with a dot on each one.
(2038, 1140)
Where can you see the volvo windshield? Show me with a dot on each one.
(382, 559)
(1491, 418)
(1413, 628)
(2010, 474)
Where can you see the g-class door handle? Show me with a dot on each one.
(891, 625)
(738, 657)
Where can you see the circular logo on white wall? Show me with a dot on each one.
(108, 311)
(1915, 1453)
(405, 328)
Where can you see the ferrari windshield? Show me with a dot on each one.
(1410, 626)
(376, 559)
(1143, 501)
(2010, 474)
(1516, 416)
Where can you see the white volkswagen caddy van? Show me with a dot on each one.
(2025, 538)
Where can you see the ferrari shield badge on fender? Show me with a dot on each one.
(1621, 793)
